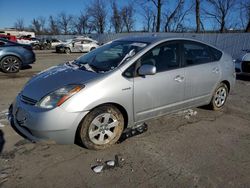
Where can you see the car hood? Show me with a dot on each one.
(55, 78)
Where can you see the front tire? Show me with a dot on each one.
(219, 97)
(102, 127)
(10, 64)
(67, 51)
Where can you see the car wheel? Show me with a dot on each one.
(219, 97)
(102, 127)
(36, 47)
(92, 48)
(67, 51)
(10, 64)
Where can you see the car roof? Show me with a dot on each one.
(146, 39)
(154, 39)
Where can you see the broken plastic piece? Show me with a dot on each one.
(110, 163)
(97, 169)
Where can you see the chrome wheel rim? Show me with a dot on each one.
(220, 97)
(11, 64)
(103, 129)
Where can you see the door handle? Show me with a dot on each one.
(215, 70)
(179, 78)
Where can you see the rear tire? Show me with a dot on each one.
(102, 127)
(92, 48)
(219, 97)
(67, 51)
(10, 64)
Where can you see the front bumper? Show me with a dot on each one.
(60, 49)
(36, 124)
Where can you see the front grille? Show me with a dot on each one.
(246, 66)
(28, 100)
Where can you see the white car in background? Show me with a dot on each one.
(27, 40)
(242, 65)
(78, 44)
(55, 42)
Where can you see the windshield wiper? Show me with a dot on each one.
(130, 54)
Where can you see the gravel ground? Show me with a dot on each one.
(207, 149)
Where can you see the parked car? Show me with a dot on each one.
(242, 65)
(77, 45)
(55, 42)
(8, 37)
(41, 44)
(27, 39)
(118, 86)
(13, 56)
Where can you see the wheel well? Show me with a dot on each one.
(12, 56)
(227, 84)
(121, 109)
(118, 106)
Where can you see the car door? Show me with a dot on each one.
(78, 46)
(202, 72)
(163, 92)
(86, 45)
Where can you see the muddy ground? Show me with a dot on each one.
(209, 149)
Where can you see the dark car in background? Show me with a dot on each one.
(242, 65)
(13, 56)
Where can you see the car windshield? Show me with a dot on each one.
(111, 55)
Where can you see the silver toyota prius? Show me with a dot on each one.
(123, 83)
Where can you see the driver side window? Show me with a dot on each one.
(163, 56)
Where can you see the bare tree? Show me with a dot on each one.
(19, 24)
(38, 25)
(65, 22)
(127, 17)
(245, 15)
(158, 5)
(53, 27)
(98, 13)
(116, 18)
(220, 10)
(173, 14)
(149, 18)
(81, 23)
(197, 16)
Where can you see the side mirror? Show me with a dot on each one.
(147, 70)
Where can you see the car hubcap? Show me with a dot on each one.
(103, 128)
(220, 97)
(10, 64)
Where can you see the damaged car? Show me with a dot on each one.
(77, 45)
(97, 97)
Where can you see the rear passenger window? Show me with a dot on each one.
(164, 57)
(196, 53)
(216, 53)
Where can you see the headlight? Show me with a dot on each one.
(59, 96)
